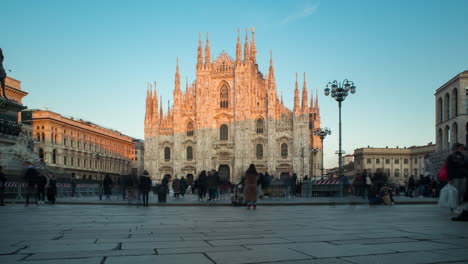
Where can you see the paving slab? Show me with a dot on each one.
(256, 255)
(7, 259)
(168, 244)
(67, 261)
(459, 252)
(416, 246)
(164, 251)
(254, 241)
(90, 254)
(166, 259)
(402, 258)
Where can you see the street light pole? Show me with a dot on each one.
(322, 133)
(314, 153)
(339, 91)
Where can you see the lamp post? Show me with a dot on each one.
(322, 133)
(339, 91)
(314, 152)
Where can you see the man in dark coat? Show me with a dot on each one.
(2, 186)
(293, 184)
(145, 187)
(51, 189)
(457, 168)
(183, 186)
(41, 188)
(176, 187)
(31, 177)
(107, 184)
(202, 185)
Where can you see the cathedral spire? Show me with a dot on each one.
(272, 68)
(207, 52)
(316, 102)
(186, 84)
(253, 48)
(155, 101)
(238, 48)
(304, 96)
(161, 113)
(200, 52)
(311, 101)
(177, 77)
(246, 47)
(297, 106)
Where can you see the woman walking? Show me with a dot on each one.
(251, 187)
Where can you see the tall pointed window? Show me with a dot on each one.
(189, 153)
(259, 152)
(284, 150)
(190, 129)
(223, 132)
(224, 97)
(167, 154)
(259, 126)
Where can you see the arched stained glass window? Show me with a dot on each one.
(223, 132)
(190, 129)
(259, 126)
(167, 153)
(189, 153)
(284, 150)
(259, 152)
(224, 96)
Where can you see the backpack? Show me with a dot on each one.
(443, 173)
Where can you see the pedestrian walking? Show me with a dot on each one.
(411, 186)
(51, 189)
(293, 184)
(457, 169)
(202, 185)
(176, 187)
(163, 189)
(107, 185)
(145, 187)
(3, 180)
(41, 188)
(31, 176)
(73, 185)
(183, 186)
(250, 187)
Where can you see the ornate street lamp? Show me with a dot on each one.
(339, 91)
(322, 133)
(314, 152)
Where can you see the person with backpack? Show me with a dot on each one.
(457, 169)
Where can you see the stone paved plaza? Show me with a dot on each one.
(114, 234)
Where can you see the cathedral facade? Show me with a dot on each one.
(229, 117)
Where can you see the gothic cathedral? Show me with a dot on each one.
(229, 117)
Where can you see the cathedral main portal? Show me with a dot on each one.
(224, 172)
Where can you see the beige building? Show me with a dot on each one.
(397, 163)
(228, 117)
(13, 90)
(138, 163)
(452, 112)
(81, 147)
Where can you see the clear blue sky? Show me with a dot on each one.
(92, 59)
